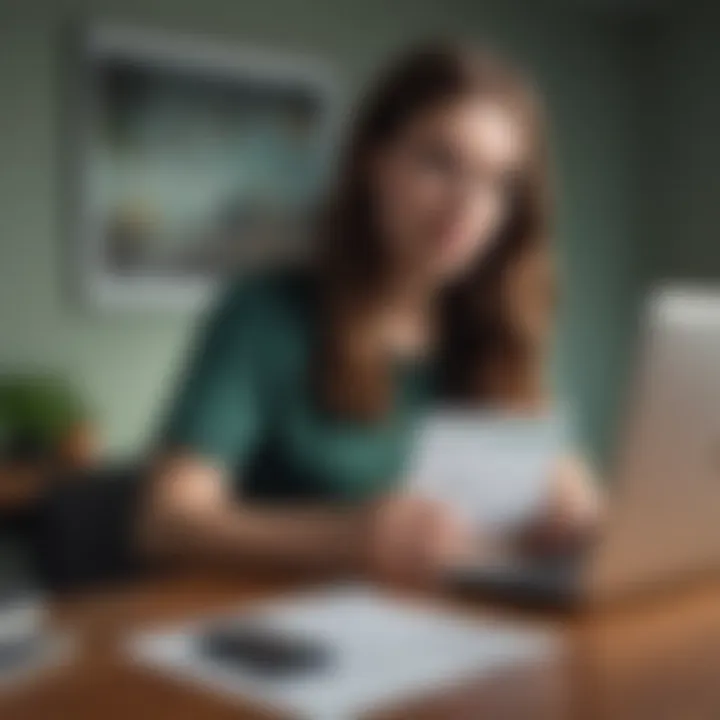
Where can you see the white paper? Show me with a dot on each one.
(494, 471)
(57, 650)
(383, 651)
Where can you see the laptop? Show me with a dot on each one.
(663, 518)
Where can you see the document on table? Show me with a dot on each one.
(382, 650)
(23, 660)
(494, 470)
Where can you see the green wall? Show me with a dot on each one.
(682, 215)
(125, 362)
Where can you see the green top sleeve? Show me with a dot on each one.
(218, 411)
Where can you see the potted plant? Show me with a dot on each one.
(43, 419)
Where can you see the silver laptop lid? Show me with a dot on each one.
(664, 519)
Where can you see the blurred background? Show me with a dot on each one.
(631, 88)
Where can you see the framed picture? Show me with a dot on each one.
(196, 159)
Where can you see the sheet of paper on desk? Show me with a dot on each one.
(382, 651)
(493, 469)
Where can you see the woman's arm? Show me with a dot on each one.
(575, 498)
(189, 516)
(574, 509)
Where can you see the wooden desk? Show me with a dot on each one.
(655, 660)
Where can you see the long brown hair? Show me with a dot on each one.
(482, 356)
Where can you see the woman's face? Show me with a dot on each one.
(441, 189)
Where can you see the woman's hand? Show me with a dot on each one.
(411, 539)
(573, 512)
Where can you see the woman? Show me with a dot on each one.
(431, 285)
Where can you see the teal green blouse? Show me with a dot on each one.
(246, 402)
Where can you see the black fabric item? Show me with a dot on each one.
(83, 527)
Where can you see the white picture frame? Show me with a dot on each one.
(236, 67)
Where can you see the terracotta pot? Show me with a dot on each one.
(79, 446)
